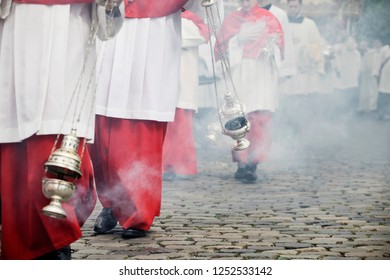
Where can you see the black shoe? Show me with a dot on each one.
(250, 175)
(61, 254)
(105, 221)
(133, 233)
(241, 171)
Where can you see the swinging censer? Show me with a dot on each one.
(231, 114)
(64, 163)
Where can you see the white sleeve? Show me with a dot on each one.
(288, 65)
(5, 7)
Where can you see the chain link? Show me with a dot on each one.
(77, 91)
(215, 24)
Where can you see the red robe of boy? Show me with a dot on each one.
(179, 152)
(232, 24)
(256, 77)
(127, 153)
(27, 233)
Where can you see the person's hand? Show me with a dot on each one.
(250, 32)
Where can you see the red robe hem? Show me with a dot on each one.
(127, 157)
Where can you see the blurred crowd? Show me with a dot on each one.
(316, 71)
(338, 74)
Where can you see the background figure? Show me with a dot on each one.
(287, 66)
(347, 66)
(368, 85)
(300, 92)
(254, 37)
(382, 72)
(206, 96)
(206, 116)
(327, 79)
(179, 151)
(40, 64)
(207, 102)
(136, 97)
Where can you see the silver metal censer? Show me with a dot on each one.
(234, 122)
(65, 164)
(231, 114)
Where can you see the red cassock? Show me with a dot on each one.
(260, 137)
(28, 233)
(179, 152)
(127, 154)
(179, 144)
(152, 8)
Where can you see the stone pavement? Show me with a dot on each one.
(324, 194)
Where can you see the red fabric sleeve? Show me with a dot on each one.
(232, 24)
(152, 8)
(275, 28)
(230, 27)
(203, 29)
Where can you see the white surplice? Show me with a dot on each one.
(189, 74)
(41, 56)
(139, 76)
(347, 63)
(308, 58)
(368, 88)
(287, 66)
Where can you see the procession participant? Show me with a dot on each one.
(382, 73)
(179, 151)
(136, 98)
(287, 67)
(301, 90)
(206, 115)
(40, 65)
(368, 86)
(308, 51)
(255, 42)
(347, 63)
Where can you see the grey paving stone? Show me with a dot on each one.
(326, 200)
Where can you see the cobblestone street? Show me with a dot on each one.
(326, 198)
